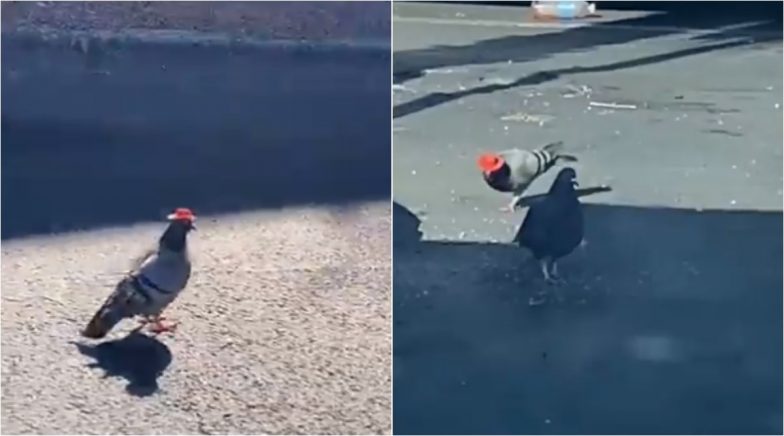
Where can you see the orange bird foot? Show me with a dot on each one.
(158, 327)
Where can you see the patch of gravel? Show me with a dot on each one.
(276, 20)
(285, 329)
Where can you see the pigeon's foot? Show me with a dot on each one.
(150, 319)
(555, 280)
(156, 324)
(512, 206)
(159, 327)
(538, 299)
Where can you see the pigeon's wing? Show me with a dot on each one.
(522, 164)
(116, 307)
(535, 230)
(121, 303)
(148, 256)
(570, 229)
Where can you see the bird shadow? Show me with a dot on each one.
(529, 200)
(138, 358)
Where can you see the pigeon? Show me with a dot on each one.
(157, 277)
(514, 170)
(553, 228)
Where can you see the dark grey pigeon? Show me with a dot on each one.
(156, 279)
(553, 227)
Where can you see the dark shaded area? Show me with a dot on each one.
(750, 24)
(406, 226)
(138, 358)
(744, 18)
(581, 192)
(537, 78)
(129, 131)
(671, 324)
(694, 14)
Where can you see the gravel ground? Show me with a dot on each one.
(308, 20)
(285, 329)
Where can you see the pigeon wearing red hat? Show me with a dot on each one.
(514, 170)
(157, 278)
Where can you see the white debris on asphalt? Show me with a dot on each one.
(577, 91)
(612, 105)
(528, 118)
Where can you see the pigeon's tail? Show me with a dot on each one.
(95, 328)
(554, 150)
(102, 322)
(553, 147)
(566, 157)
(549, 155)
(110, 313)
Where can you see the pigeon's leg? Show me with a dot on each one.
(550, 278)
(512, 206)
(541, 295)
(543, 263)
(158, 326)
(554, 274)
(548, 271)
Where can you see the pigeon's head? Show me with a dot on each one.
(565, 181)
(184, 217)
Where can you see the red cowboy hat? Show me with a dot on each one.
(182, 213)
(489, 162)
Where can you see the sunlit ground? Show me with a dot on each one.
(284, 329)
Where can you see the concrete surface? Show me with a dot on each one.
(289, 20)
(672, 320)
(283, 153)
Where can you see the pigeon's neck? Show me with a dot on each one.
(500, 178)
(174, 238)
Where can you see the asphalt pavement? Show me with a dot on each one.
(671, 322)
(282, 151)
(108, 130)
